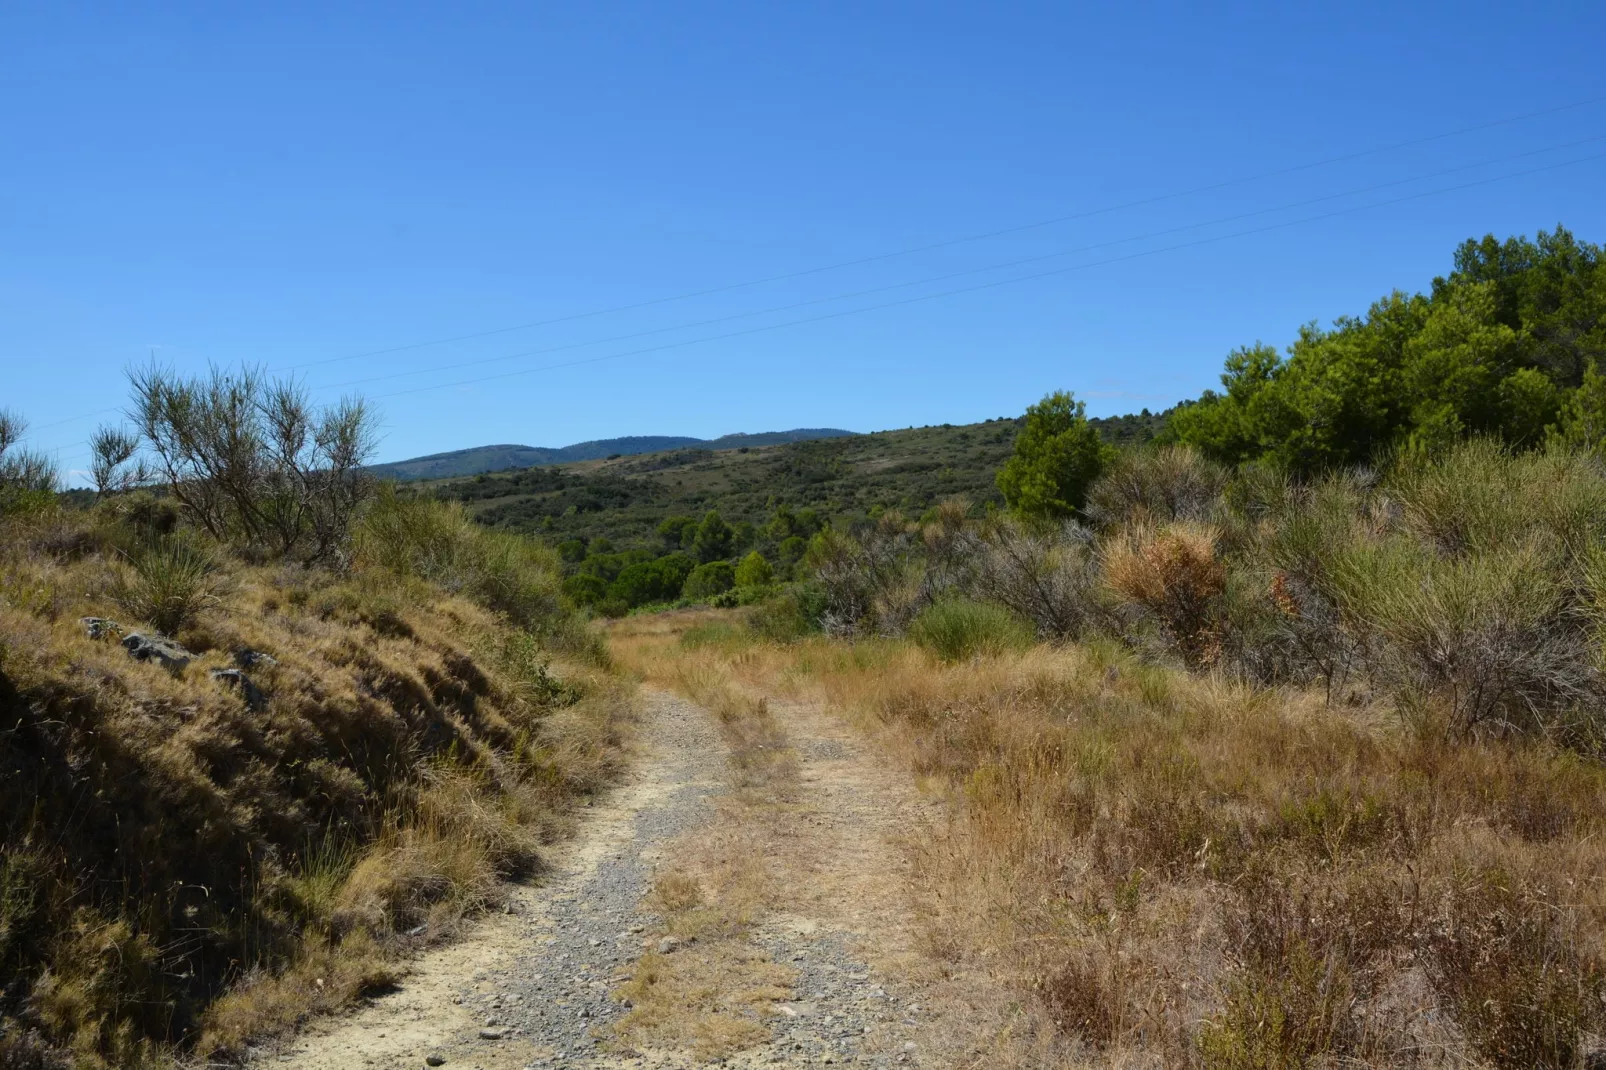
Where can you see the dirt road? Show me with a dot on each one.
(541, 986)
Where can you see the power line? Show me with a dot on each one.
(997, 283)
(967, 271)
(841, 265)
(1160, 198)
(1005, 282)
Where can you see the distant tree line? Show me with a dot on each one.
(697, 560)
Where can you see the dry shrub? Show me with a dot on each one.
(1050, 579)
(1174, 575)
(1509, 961)
(1160, 485)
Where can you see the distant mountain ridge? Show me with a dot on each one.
(478, 459)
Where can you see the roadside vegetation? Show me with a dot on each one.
(1276, 742)
(265, 731)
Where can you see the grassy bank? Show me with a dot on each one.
(189, 859)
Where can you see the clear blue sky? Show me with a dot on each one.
(293, 183)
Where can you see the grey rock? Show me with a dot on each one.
(432, 1059)
(149, 646)
(251, 659)
(495, 1033)
(667, 944)
(254, 697)
(100, 627)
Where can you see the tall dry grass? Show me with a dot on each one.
(1176, 870)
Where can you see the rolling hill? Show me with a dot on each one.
(478, 459)
(623, 498)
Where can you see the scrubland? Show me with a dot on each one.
(1242, 773)
(187, 865)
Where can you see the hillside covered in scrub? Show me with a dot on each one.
(624, 499)
(262, 732)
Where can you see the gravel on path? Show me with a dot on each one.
(531, 989)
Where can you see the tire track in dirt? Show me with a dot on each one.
(532, 988)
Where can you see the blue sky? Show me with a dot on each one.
(297, 185)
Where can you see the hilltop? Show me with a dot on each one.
(477, 459)
(624, 498)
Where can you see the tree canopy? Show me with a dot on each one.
(1058, 455)
(1496, 348)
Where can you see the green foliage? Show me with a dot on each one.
(1057, 457)
(713, 539)
(788, 614)
(677, 532)
(1581, 424)
(585, 588)
(956, 629)
(754, 571)
(708, 580)
(659, 580)
(168, 584)
(1494, 350)
(572, 551)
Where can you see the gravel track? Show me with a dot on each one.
(531, 988)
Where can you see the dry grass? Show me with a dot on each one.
(1182, 871)
(711, 993)
(180, 872)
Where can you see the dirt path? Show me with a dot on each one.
(537, 987)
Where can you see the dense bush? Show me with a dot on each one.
(754, 571)
(707, 580)
(436, 541)
(955, 629)
(1464, 584)
(1058, 455)
(658, 580)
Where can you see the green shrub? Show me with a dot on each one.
(788, 614)
(754, 571)
(708, 580)
(1158, 485)
(1058, 455)
(168, 585)
(956, 629)
(585, 589)
(658, 580)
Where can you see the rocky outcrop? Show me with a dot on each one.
(150, 646)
